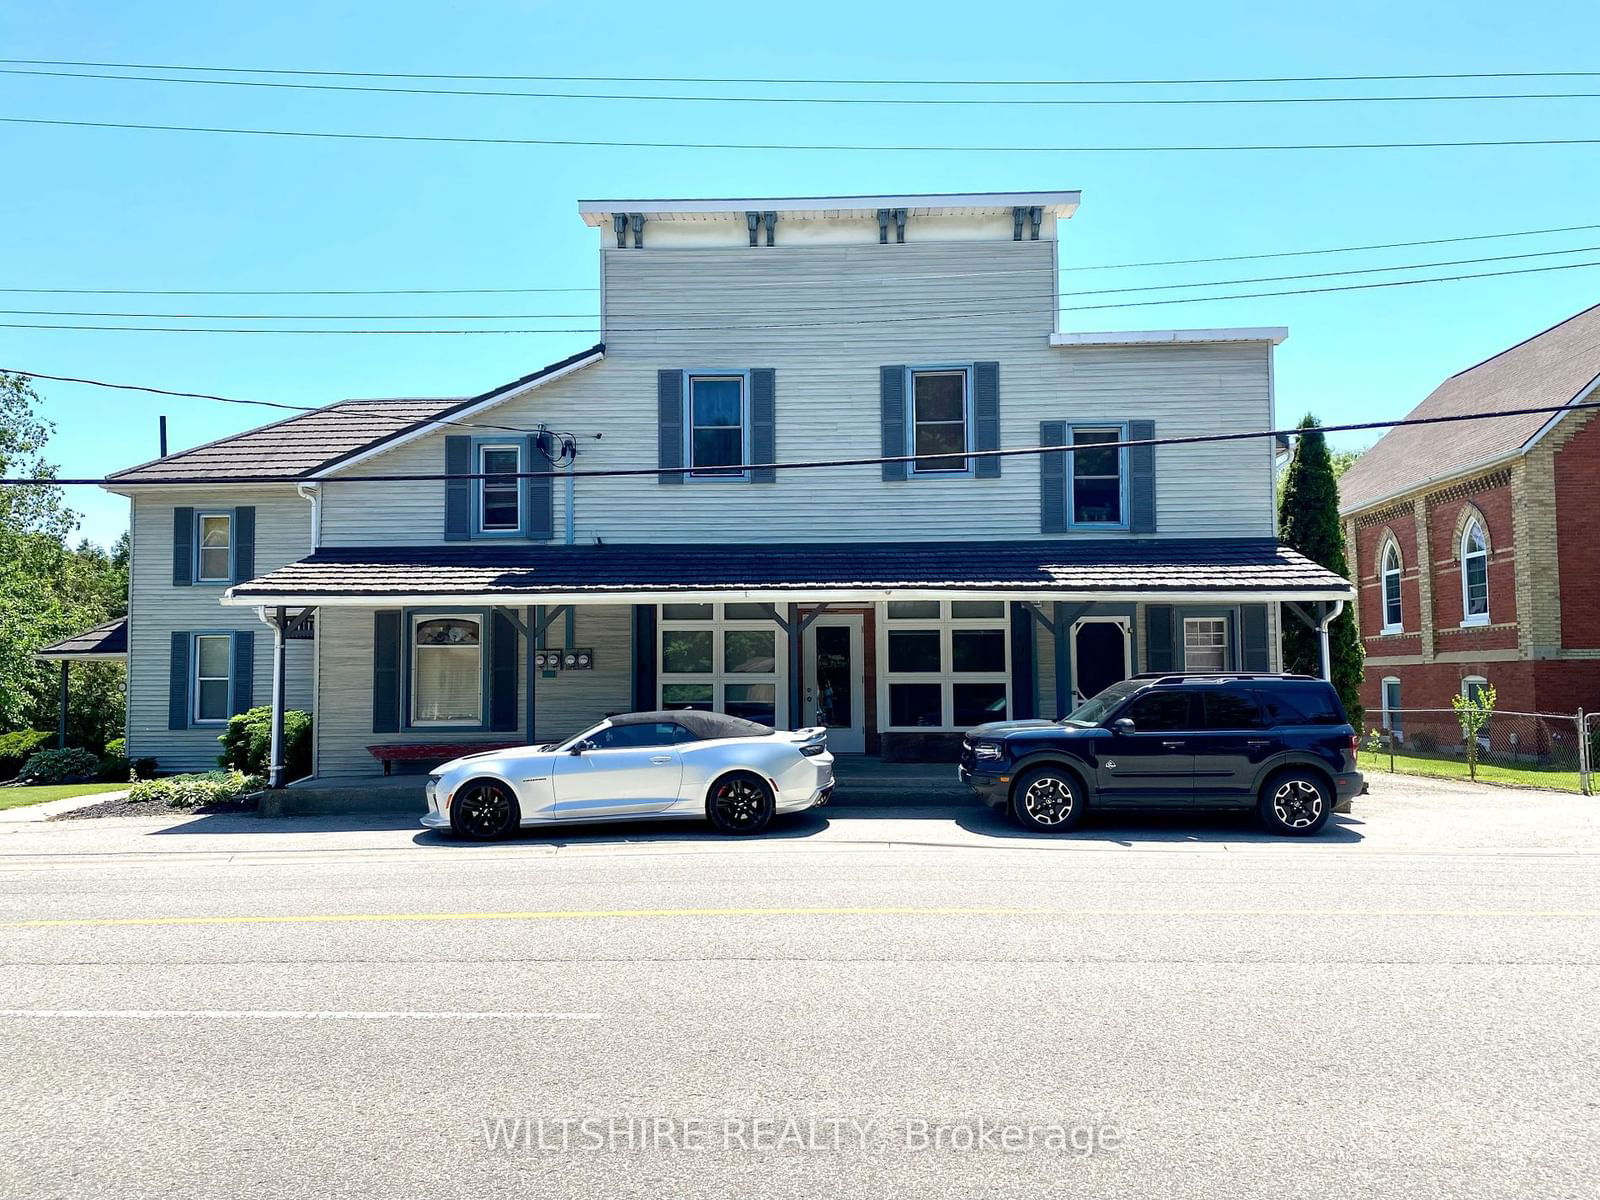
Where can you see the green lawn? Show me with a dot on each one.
(1527, 775)
(16, 797)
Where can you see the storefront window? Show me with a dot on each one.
(945, 664)
(723, 657)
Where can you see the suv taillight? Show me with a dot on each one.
(1354, 743)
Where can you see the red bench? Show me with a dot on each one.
(430, 752)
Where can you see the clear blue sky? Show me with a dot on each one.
(103, 208)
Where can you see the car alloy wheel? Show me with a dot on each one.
(483, 812)
(1048, 801)
(741, 804)
(1297, 803)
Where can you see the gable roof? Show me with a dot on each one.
(300, 446)
(1554, 367)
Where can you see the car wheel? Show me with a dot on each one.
(740, 803)
(1296, 803)
(484, 811)
(1049, 800)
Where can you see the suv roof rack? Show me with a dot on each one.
(1218, 676)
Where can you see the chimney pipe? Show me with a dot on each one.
(163, 425)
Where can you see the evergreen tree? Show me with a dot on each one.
(1308, 521)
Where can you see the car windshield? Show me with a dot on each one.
(1095, 709)
(580, 737)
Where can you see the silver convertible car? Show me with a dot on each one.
(652, 765)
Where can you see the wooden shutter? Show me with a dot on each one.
(1141, 478)
(385, 672)
(892, 410)
(538, 495)
(763, 423)
(244, 670)
(182, 551)
(457, 492)
(1254, 654)
(502, 674)
(178, 681)
(1052, 479)
(669, 425)
(1158, 638)
(244, 543)
(986, 417)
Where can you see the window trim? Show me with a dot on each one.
(1387, 717)
(1119, 429)
(946, 677)
(1469, 619)
(411, 617)
(194, 677)
(479, 447)
(1229, 649)
(719, 678)
(1469, 680)
(968, 432)
(200, 516)
(716, 474)
(1391, 546)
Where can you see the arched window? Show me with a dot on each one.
(1389, 573)
(1474, 574)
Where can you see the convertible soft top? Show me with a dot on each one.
(704, 725)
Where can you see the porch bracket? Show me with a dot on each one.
(548, 619)
(816, 612)
(1036, 609)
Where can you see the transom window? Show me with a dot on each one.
(946, 663)
(938, 421)
(1390, 572)
(722, 658)
(215, 548)
(446, 670)
(499, 491)
(213, 677)
(1205, 643)
(1474, 574)
(716, 426)
(1097, 473)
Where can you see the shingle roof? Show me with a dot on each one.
(306, 443)
(1553, 367)
(103, 641)
(1214, 565)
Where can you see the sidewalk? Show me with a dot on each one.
(43, 812)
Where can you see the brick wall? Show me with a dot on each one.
(1577, 491)
(1370, 537)
(1448, 513)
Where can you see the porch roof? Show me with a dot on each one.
(1212, 569)
(107, 641)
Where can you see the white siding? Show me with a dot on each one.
(157, 609)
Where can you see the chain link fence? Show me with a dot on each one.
(1551, 750)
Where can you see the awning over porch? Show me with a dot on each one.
(103, 642)
(1221, 569)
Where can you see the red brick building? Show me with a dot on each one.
(1474, 544)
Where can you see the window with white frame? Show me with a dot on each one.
(1097, 468)
(1474, 574)
(1392, 717)
(446, 670)
(1205, 643)
(213, 677)
(722, 658)
(939, 421)
(716, 430)
(944, 664)
(1389, 577)
(214, 548)
(499, 489)
(1473, 687)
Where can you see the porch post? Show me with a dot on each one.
(61, 732)
(795, 670)
(280, 623)
(1063, 649)
(529, 638)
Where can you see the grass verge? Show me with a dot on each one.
(1526, 775)
(19, 797)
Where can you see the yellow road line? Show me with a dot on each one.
(862, 911)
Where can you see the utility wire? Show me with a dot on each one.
(812, 464)
(897, 101)
(463, 140)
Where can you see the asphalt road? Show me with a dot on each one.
(239, 1008)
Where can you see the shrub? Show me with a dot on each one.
(117, 747)
(247, 743)
(196, 791)
(59, 766)
(15, 749)
(113, 768)
(144, 768)
(1424, 742)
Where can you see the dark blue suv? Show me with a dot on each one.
(1280, 744)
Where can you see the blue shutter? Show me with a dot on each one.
(1253, 649)
(1141, 478)
(178, 683)
(244, 543)
(244, 670)
(644, 658)
(538, 495)
(669, 425)
(763, 423)
(1158, 638)
(1052, 479)
(892, 406)
(457, 492)
(986, 417)
(182, 551)
(502, 674)
(385, 672)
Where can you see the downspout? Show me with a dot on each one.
(1322, 639)
(313, 493)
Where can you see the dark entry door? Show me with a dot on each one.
(1099, 657)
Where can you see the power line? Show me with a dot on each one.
(1391, 78)
(898, 101)
(462, 140)
(813, 464)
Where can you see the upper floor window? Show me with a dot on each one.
(716, 427)
(214, 548)
(1474, 574)
(939, 424)
(446, 670)
(499, 489)
(1389, 574)
(1097, 469)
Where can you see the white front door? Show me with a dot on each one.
(835, 686)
